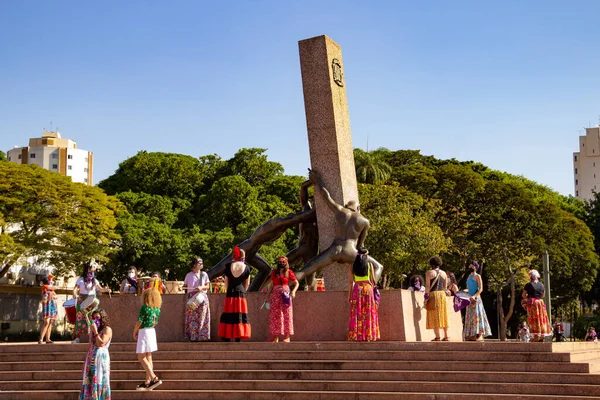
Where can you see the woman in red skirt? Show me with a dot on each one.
(280, 296)
(234, 323)
(537, 317)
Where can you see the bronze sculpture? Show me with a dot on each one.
(350, 232)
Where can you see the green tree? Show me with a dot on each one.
(3, 156)
(45, 214)
(252, 165)
(371, 166)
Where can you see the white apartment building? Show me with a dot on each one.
(56, 154)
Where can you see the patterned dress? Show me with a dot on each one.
(48, 304)
(364, 314)
(197, 322)
(476, 322)
(234, 323)
(96, 373)
(281, 316)
(437, 311)
(537, 316)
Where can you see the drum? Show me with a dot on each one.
(89, 301)
(70, 311)
(196, 301)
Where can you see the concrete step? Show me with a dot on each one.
(313, 355)
(315, 364)
(277, 395)
(323, 385)
(492, 346)
(583, 355)
(339, 375)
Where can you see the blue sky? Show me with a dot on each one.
(509, 83)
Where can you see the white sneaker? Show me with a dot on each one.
(76, 340)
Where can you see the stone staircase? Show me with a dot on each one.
(326, 370)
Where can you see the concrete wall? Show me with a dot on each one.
(317, 316)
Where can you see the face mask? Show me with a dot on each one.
(91, 275)
(97, 321)
(132, 275)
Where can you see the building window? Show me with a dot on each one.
(576, 180)
(86, 170)
(85, 180)
(70, 167)
(32, 155)
(54, 155)
(70, 156)
(593, 150)
(594, 176)
(575, 171)
(54, 166)
(577, 193)
(19, 156)
(575, 157)
(86, 159)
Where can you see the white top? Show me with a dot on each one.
(87, 289)
(193, 281)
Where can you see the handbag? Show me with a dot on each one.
(286, 298)
(376, 294)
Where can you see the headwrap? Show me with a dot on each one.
(476, 265)
(533, 274)
(282, 261)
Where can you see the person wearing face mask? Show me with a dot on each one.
(48, 309)
(476, 323)
(96, 371)
(281, 317)
(129, 284)
(197, 313)
(537, 316)
(85, 287)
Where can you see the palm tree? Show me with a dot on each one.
(371, 166)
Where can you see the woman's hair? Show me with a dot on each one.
(413, 278)
(282, 263)
(44, 281)
(195, 261)
(360, 267)
(533, 274)
(452, 278)
(152, 298)
(134, 270)
(86, 272)
(155, 273)
(435, 262)
(105, 321)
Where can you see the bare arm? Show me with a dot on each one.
(104, 338)
(136, 330)
(296, 284)
(330, 202)
(122, 289)
(427, 282)
(304, 192)
(247, 283)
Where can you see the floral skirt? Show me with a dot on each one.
(197, 322)
(437, 317)
(49, 309)
(476, 322)
(364, 316)
(537, 318)
(81, 327)
(96, 375)
(281, 317)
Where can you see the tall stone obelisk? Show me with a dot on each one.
(329, 138)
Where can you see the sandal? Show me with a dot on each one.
(274, 339)
(287, 340)
(445, 339)
(154, 383)
(49, 342)
(437, 339)
(142, 386)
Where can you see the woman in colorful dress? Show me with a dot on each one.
(436, 285)
(197, 320)
(86, 286)
(537, 317)
(145, 335)
(96, 372)
(476, 323)
(48, 309)
(129, 285)
(364, 315)
(281, 316)
(234, 323)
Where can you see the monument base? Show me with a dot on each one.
(318, 316)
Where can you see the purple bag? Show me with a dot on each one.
(460, 301)
(376, 294)
(286, 298)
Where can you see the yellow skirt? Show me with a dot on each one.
(438, 316)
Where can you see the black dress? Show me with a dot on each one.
(234, 323)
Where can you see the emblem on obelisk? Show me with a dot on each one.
(338, 75)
